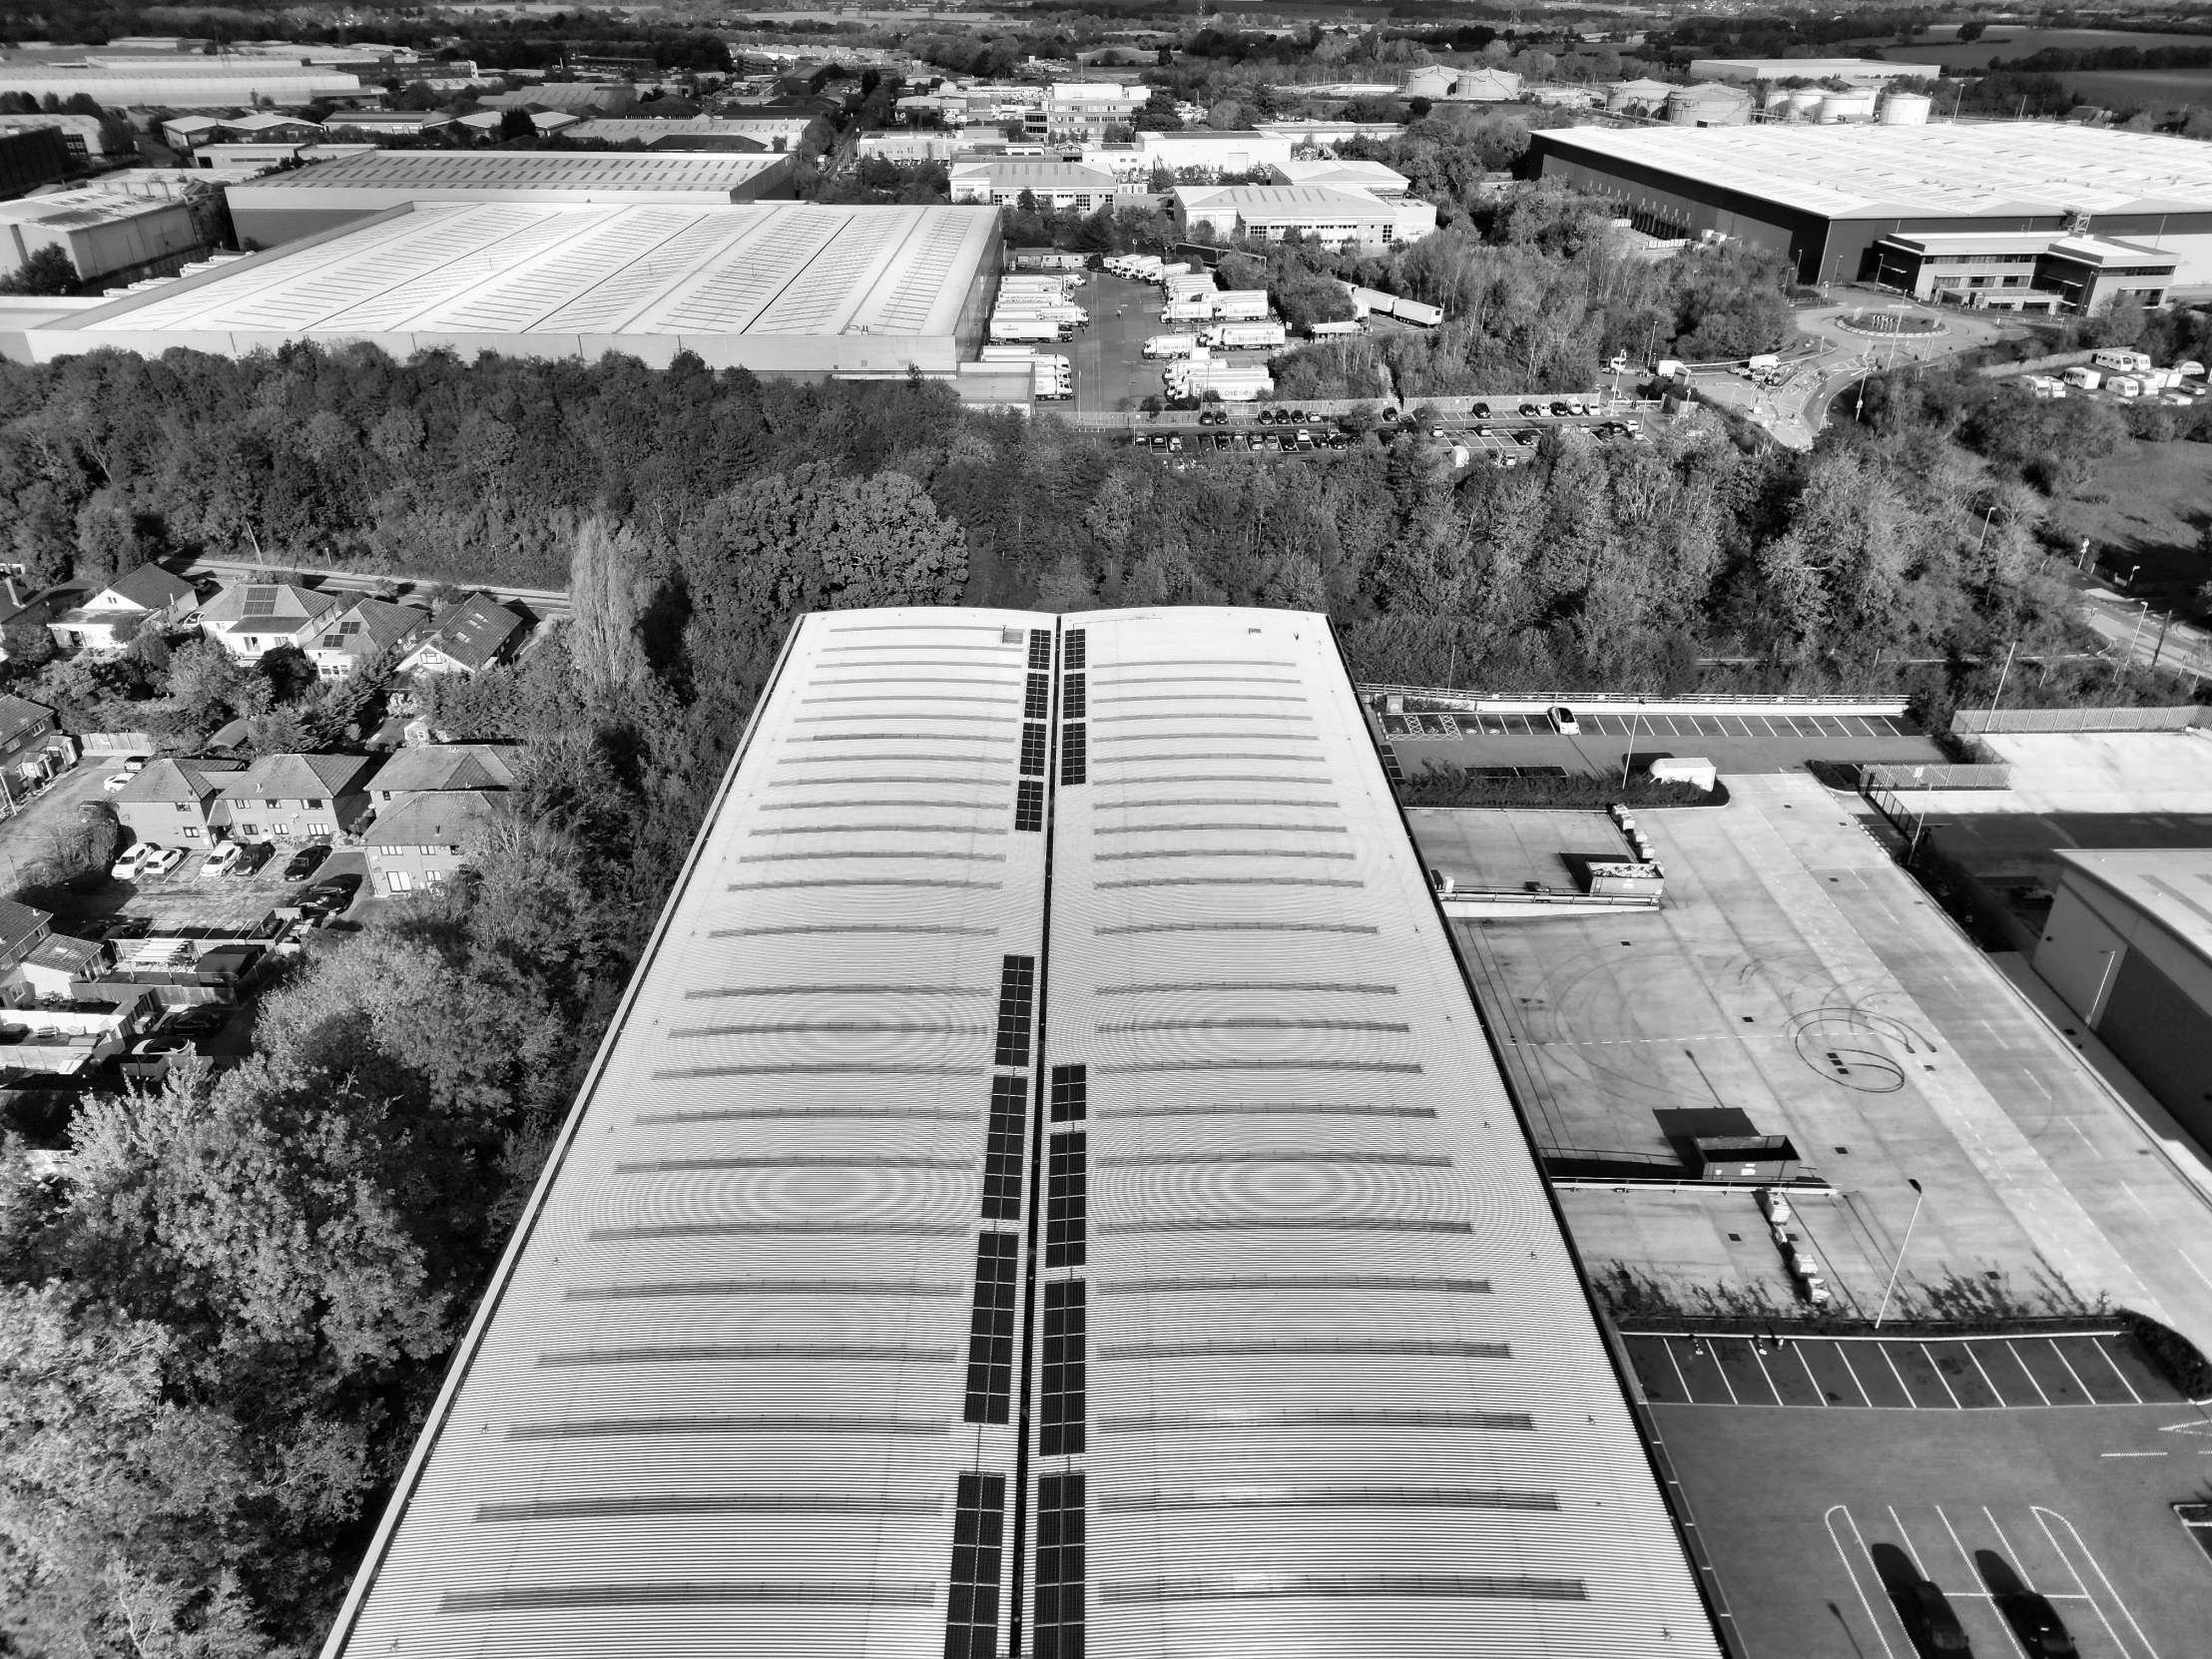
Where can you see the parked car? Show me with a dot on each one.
(1483, 411)
(2038, 1625)
(162, 863)
(1937, 1628)
(333, 895)
(1563, 721)
(1530, 409)
(1526, 438)
(133, 766)
(219, 862)
(1559, 406)
(251, 855)
(202, 1020)
(306, 860)
(125, 868)
(117, 783)
(150, 1057)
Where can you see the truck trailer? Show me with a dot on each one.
(1169, 346)
(1244, 337)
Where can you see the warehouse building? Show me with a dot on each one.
(2128, 946)
(1827, 197)
(288, 206)
(1342, 217)
(100, 232)
(1863, 72)
(1059, 185)
(1211, 154)
(179, 82)
(700, 132)
(1045, 1191)
(780, 287)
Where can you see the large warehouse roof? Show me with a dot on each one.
(391, 177)
(2171, 885)
(774, 286)
(1052, 1035)
(1984, 168)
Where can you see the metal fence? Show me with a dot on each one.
(1935, 777)
(2176, 719)
(117, 742)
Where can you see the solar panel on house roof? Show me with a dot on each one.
(260, 602)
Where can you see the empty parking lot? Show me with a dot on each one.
(1502, 722)
(1968, 1374)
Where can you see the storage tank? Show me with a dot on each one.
(1847, 106)
(1906, 109)
(1805, 101)
(1709, 105)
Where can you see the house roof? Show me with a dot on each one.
(177, 781)
(435, 818)
(448, 766)
(19, 922)
(473, 632)
(19, 715)
(279, 606)
(296, 778)
(371, 626)
(64, 952)
(150, 588)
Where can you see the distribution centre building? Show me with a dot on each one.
(1827, 197)
(2128, 946)
(787, 287)
(1045, 1192)
(284, 207)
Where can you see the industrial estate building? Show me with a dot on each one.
(1827, 197)
(1348, 216)
(1064, 186)
(284, 207)
(99, 231)
(2130, 947)
(780, 287)
(1045, 1191)
(174, 81)
(700, 132)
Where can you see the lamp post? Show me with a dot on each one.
(1899, 1266)
(1633, 721)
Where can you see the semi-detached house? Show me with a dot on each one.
(168, 801)
(422, 841)
(345, 643)
(292, 795)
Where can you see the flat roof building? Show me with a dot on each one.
(698, 134)
(1859, 71)
(777, 286)
(288, 206)
(1213, 153)
(100, 232)
(1061, 184)
(176, 82)
(1332, 174)
(1045, 1190)
(1825, 196)
(1339, 218)
(2128, 946)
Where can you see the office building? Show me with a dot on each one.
(1045, 1191)
(2130, 947)
(1062, 186)
(1824, 196)
(288, 206)
(1213, 153)
(777, 286)
(1338, 217)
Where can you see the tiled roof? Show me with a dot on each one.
(150, 588)
(177, 781)
(438, 818)
(371, 626)
(454, 766)
(63, 952)
(473, 633)
(19, 715)
(19, 922)
(298, 778)
(275, 604)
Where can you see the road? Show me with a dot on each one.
(2150, 636)
(540, 602)
(1834, 357)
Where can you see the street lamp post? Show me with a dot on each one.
(1633, 721)
(1899, 1266)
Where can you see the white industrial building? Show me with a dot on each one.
(1331, 174)
(780, 287)
(101, 230)
(1046, 1175)
(1213, 153)
(180, 82)
(1865, 72)
(702, 133)
(1336, 217)
(1063, 185)
(86, 135)
(288, 206)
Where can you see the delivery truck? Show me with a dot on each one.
(1244, 337)
(1014, 327)
(1187, 310)
(1242, 305)
(1169, 346)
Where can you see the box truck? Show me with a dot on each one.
(1016, 327)
(1242, 305)
(1169, 346)
(1420, 316)
(1332, 330)
(1187, 310)
(1244, 337)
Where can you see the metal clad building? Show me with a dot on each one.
(1045, 1193)
(779, 287)
(1825, 196)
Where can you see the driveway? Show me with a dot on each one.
(24, 835)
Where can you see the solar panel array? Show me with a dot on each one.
(1035, 1209)
(782, 269)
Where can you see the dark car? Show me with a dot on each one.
(2038, 1625)
(1530, 409)
(251, 855)
(203, 1021)
(1927, 1611)
(1559, 409)
(331, 896)
(1483, 411)
(1526, 438)
(306, 860)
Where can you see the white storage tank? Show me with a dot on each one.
(1906, 109)
(1848, 105)
(1805, 101)
(1709, 105)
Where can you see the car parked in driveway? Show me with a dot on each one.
(306, 860)
(201, 1020)
(330, 897)
(150, 1058)
(125, 868)
(117, 783)
(219, 862)
(251, 855)
(162, 863)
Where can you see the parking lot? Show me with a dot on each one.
(1622, 724)
(1966, 1374)
(184, 903)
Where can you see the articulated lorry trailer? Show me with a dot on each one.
(1242, 336)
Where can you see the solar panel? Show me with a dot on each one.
(260, 602)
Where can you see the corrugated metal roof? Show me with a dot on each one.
(1344, 1394)
(510, 171)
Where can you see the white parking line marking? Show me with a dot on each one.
(2043, 1518)
(1903, 1387)
(1713, 1353)
(1819, 1393)
(2014, 1349)
(1683, 1382)
(1865, 1398)
(1768, 1374)
(1985, 1377)
(2193, 1267)
(1940, 1378)
(1911, 1548)
(2114, 1366)
(1981, 1590)
(1852, 1573)
(2070, 1372)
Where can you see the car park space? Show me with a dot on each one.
(1614, 723)
(1896, 1374)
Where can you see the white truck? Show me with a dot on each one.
(1016, 326)
(1244, 337)
(1332, 330)
(1765, 359)
(1227, 379)
(1169, 346)
(1420, 316)
(1187, 310)
(1242, 305)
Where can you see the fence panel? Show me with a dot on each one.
(2174, 719)
(1937, 777)
(117, 742)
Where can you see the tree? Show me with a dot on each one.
(608, 591)
(47, 270)
(1974, 30)
(516, 124)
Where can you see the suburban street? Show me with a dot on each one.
(541, 602)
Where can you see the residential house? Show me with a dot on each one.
(168, 802)
(59, 961)
(252, 619)
(423, 840)
(20, 615)
(293, 796)
(150, 595)
(362, 634)
(22, 930)
(440, 767)
(470, 637)
(24, 728)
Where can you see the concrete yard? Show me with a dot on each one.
(2091, 772)
(1795, 972)
(1499, 851)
